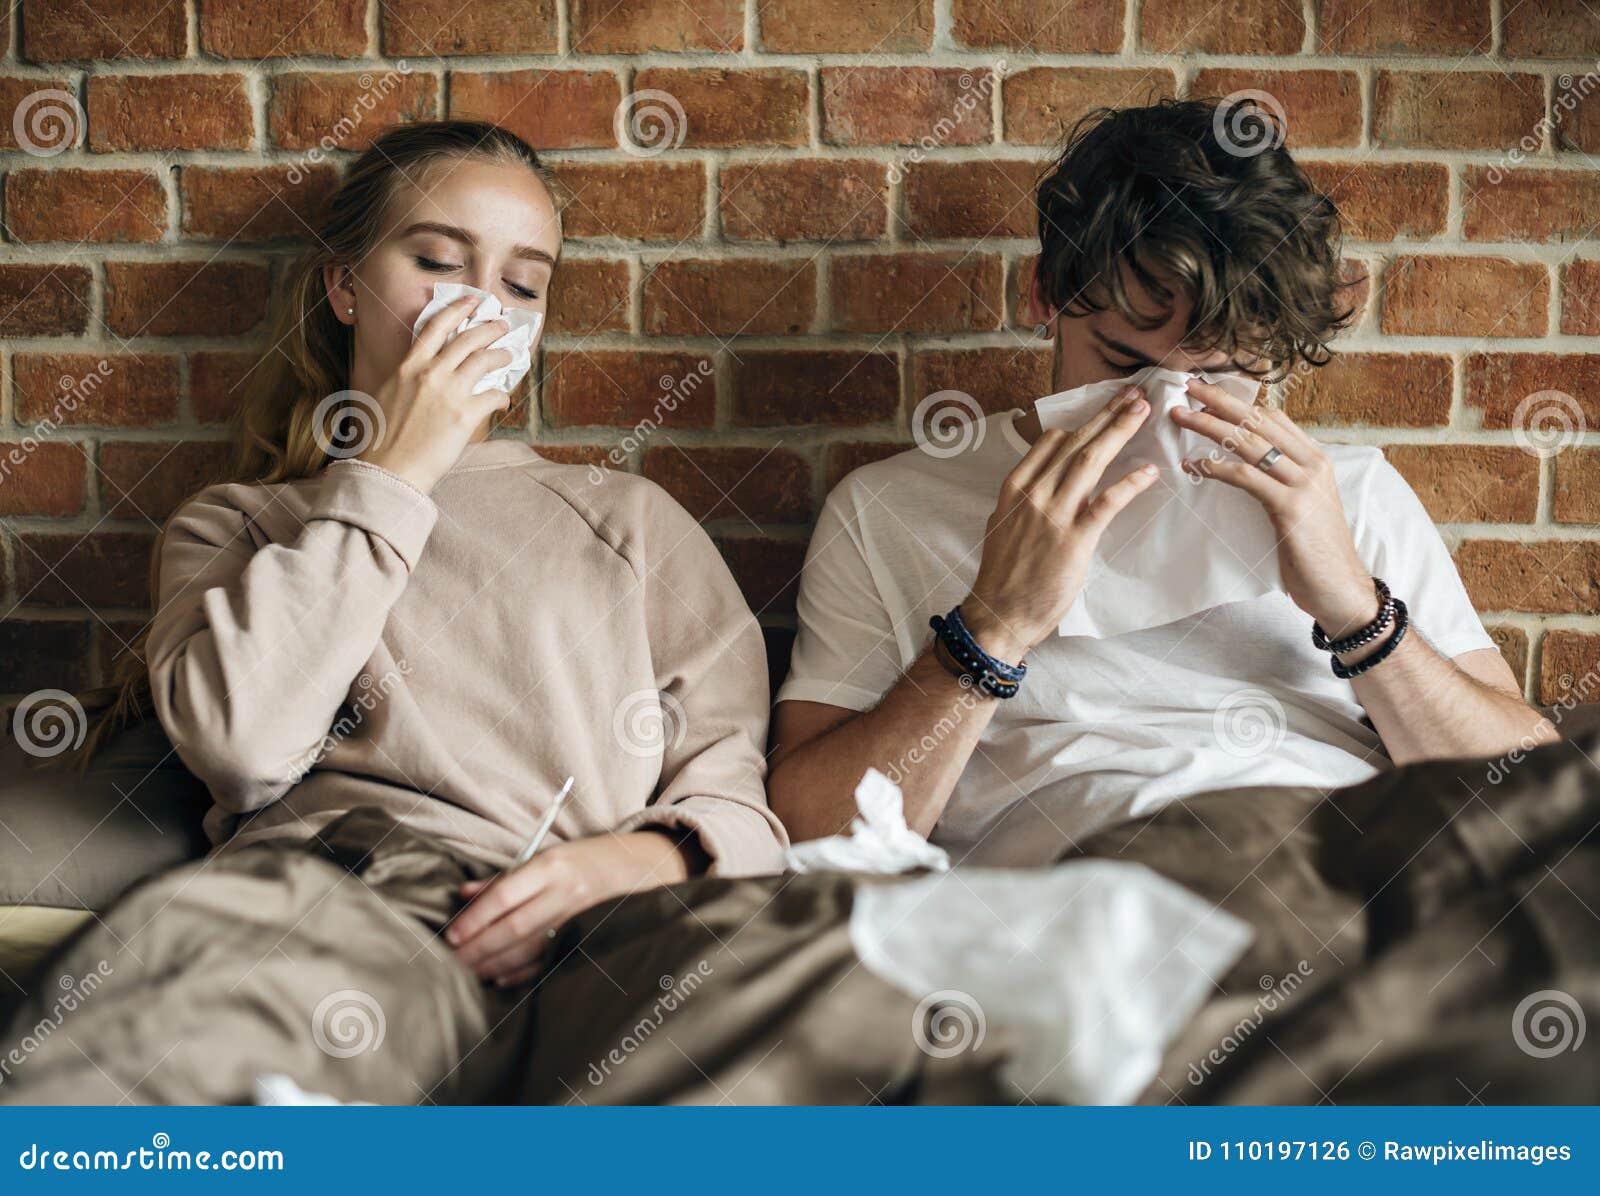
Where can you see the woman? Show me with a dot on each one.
(385, 644)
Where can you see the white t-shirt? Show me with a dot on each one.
(1103, 729)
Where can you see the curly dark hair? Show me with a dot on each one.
(1197, 194)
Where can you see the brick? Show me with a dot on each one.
(331, 28)
(1465, 296)
(584, 454)
(1580, 298)
(589, 295)
(1471, 483)
(1575, 111)
(1497, 383)
(815, 386)
(1577, 490)
(992, 198)
(67, 204)
(347, 109)
(1042, 104)
(125, 389)
(43, 300)
(870, 105)
(1019, 281)
(1222, 26)
(616, 388)
(1355, 290)
(734, 298)
(202, 298)
(840, 458)
(997, 378)
(845, 26)
(1513, 645)
(1540, 577)
(1569, 668)
(76, 569)
(767, 571)
(81, 30)
(1318, 107)
(169, 112)
(734, 107)
(1404, 27)
(447, 27)
(43, 654)
(640, 26)
(145, 479)
(1066, 27)
(46, 479)
(1529, 205)
(254, 203)
(648, 201)
(1379, 201)
(52, 122)
(1455, 110)
(216, 382)
(1387, 390)
(809, 199)
(547, 109)
(758, 485)
(1552, 29)
(917, 292)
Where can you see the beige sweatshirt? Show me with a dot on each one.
(347, 640)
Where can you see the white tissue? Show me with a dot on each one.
(1096, 966)
(276, 1089)
(879, 839)
(520, 339)
(1182, 546)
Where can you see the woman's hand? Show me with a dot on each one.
(1316, 552)
(429, 410)
(505, 930)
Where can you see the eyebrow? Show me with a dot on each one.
(1117, 346)
(531, 252)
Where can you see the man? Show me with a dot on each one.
(1161, 244)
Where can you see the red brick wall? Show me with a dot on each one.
(837, 225)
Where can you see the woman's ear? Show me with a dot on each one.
(1040, 312)
(340, 283)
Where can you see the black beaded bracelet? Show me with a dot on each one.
(1401, 621)
(1363, 635)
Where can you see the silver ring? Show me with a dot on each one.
(1268, 459)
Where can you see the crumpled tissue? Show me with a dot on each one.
(520, 339)
(879, 839)
(1183, 545)
(277, 1089)
(1095, 966)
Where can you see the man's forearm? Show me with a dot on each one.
(1426, 708)
(921, 735)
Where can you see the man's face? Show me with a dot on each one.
(1105, 345)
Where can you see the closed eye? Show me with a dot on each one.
(427, 263)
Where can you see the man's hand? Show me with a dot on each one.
(1316, 551)
(1041, 536)
(505, 930)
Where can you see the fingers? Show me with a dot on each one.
(1248, 478)
(1237, 438)
(1040, 453)
(437, 330)
(1115, 497)
(517, 941)
(493, 900)
(1268, 422)
(1083, 470)
(458, 354)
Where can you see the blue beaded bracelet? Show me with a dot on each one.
(989, 673)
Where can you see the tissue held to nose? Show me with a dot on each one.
(519, 340)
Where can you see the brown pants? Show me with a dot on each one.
(318, 961)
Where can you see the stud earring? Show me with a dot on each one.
(1042, 331)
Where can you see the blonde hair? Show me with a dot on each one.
(282, 428)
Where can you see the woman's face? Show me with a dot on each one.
(487, 224)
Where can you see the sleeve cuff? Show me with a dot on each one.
(739, 841)
(377, 501)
